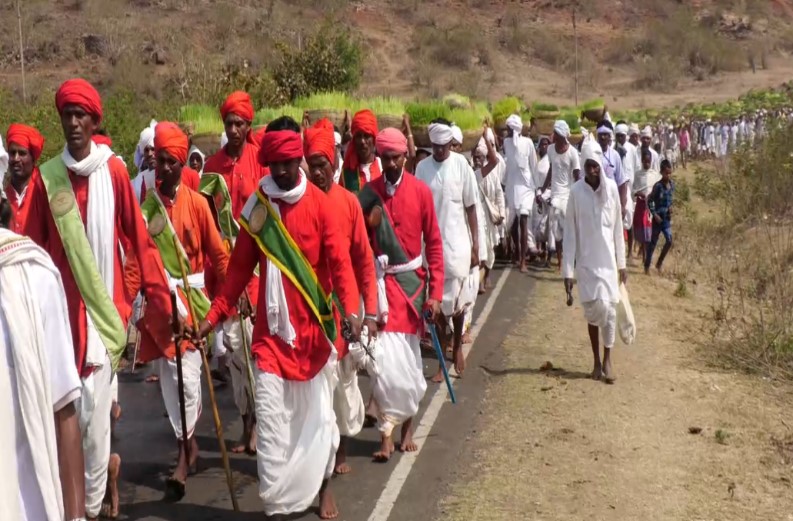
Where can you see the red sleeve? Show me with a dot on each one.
(433, 247)
(335, 249)
(131, 276)
(36, 224)
(152, 273)
(361, 252)
(191, 179)
(243, 260)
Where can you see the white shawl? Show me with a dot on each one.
(277, 308)
(25, 327)
(100, 228)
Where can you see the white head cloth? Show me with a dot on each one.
(481, 146)
(3, 159)
(440, 134)
(562, 128)
(515, 124)
(604, 129)
(146, 140)
(622, 128)
(457, 134)
(633, 129)
(195, 150)
(590, 149)
(647, 131)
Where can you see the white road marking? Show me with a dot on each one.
(385, 503)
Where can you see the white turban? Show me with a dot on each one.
(633, 129)
(440, 134)
(647, 131)
(146, 140)
(515, 123)
(590, 149)
(605, 129)
(224, 139)
(622, 128)
(457, 134)
(481, 146)
(562, 128)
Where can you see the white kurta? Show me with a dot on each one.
(521, 159)
(562, 179)
(594, 244)
(493, 199)
(38, 495)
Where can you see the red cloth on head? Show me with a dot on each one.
(319, 140)
(81, 93)
(391, 140)
(258, 135)
(363, 121)
(280, 145)
(26, 137)
(99, 139)
(169, 137)
(238, 103)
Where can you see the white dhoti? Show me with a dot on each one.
(347, 399)
(603, 314)
(237, 364)
(169, 384)
(297, 438)
(94, 409)
(454, 296)
(556, 224)
(400, 384)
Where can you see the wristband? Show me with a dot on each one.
(370, 317)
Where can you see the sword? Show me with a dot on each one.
(439, 352)
(137, 336)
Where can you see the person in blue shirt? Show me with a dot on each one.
(660, 206)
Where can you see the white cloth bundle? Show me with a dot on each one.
(626, 322)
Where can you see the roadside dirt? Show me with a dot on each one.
(557, 445)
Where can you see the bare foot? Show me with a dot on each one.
(327, 504)
(488, 284)
(459, 361)
(341, 466)
(438, 378)
(110, 502)
(386, 449)
(608, 372)
(597, 372)
(467, 338)
(408, 445)
(252, 444)
(523, 268)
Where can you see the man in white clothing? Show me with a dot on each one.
(627, 152)
(145, 162)
(453, 185)
(646, 142)
(564, 170)
(595, 255)
(521, 158)
(40, 442)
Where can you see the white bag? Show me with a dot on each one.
(626, 323)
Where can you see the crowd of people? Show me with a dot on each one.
(293, 257)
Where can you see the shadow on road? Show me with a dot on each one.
(556, 371)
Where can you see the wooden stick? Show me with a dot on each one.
(208, 374)
(179, 374)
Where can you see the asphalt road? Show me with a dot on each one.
(145, 441)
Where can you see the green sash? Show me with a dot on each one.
(98, 302)
(212, 186)
(162, 233)
(351, 180)
(269, 232)
(387, 241)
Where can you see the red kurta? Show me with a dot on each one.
(311, 224)
(129, 228)
(242, 174)
(412, 213)
(19, 211)
(192, 220)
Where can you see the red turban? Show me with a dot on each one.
(26, 137)
(280, 145)
(319, 140)
(363, 121)
(238, 103)
(169, 137)
(81, 93)
(391, 140)
(99, 139)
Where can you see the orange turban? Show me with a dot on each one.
(99, 139)
(280, 145)
(169, 137)
(238, 103)
(391, 140)
(319, 140)
(363, 121)
(81, 93)
(26, 137)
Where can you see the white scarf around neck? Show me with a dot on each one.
(29, 360)
(277, 307)
(100, 229)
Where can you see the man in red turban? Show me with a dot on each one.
(360, 163)
(24, 150)
(320, 151)
(304, 258)
(173, 208)
(400, 214)
(86, 189)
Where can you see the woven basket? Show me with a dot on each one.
(389, 120)
(546, 114)
(542, 126)
(594, 115)
(207, 143)
(335, 116)
(421, 136)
